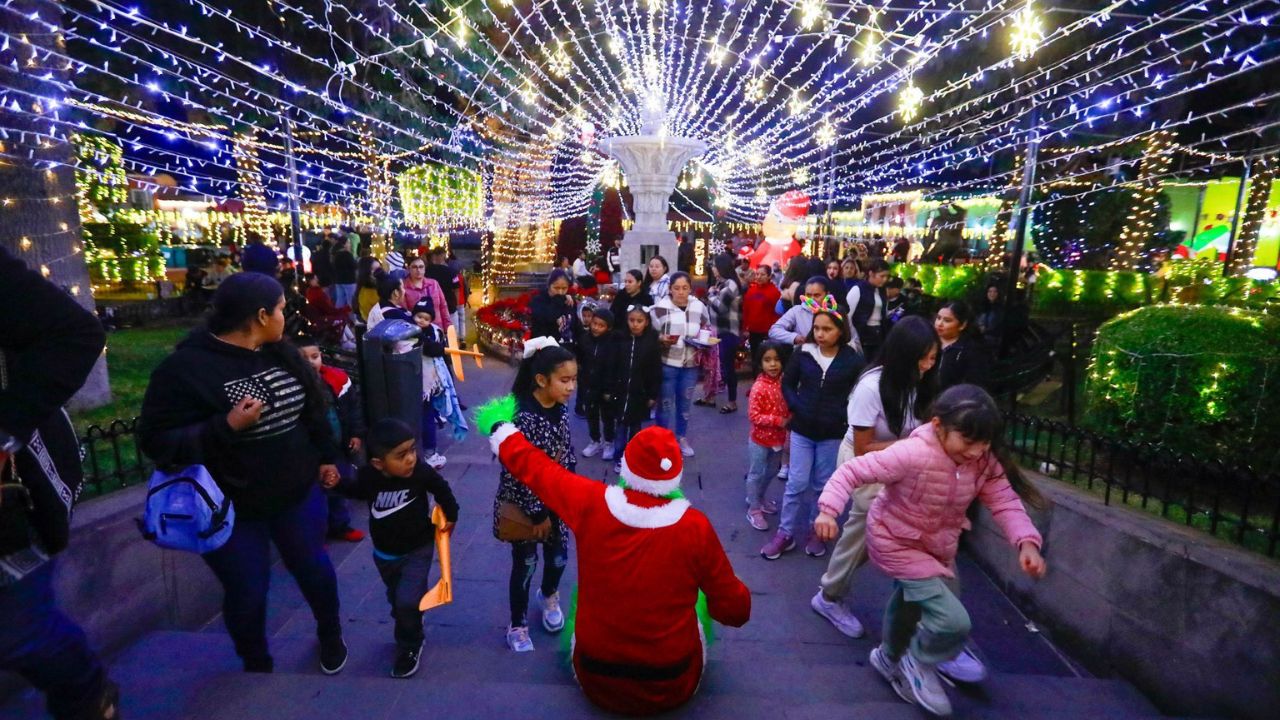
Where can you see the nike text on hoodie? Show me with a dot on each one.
(399, 509)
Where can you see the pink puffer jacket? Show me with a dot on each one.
(915, 523)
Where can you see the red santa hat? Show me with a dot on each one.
(792, 205)
(652, 463)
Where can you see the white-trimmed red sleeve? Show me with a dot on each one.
(567, 494)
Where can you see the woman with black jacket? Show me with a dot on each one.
(632, 294)
(237, 399)
(552, 312)
(816, 386)
(965, 358)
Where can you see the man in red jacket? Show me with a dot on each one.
(759, 312)
(643, 555)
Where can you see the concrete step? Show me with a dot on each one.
(477, 677)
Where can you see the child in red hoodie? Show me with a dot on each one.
(769, 416)
(346, 419)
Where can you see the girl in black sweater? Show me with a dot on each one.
(236, 398)
(816, 385)
(636, 381)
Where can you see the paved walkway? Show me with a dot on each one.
(787, 663)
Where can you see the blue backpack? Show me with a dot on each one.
(186, 510)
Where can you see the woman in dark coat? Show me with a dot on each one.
(552, 313)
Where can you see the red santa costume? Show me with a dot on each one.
(643, 555)
(780, 224)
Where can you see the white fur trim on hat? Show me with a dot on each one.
(645, 518)
(657, 488)
(504, 431)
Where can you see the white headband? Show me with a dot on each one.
(536, 344)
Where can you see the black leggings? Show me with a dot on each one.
(524, 563)
(600, 413)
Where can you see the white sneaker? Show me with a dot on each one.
(685, 448)
(925, 685)
(838, 614)
(782, 473)
(591, 450)
(890, 671)
(964, 668)
(552, 615)
(617, 468)
(518, 639)
(436, 461)
(608, 452)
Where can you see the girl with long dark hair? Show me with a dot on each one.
(239, 400)
(724, 299)
(890, 400)
(816, 382)
(929, 481)
(657, 281)
(547, 377)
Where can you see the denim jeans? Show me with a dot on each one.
(926, 618)
(524, 564)
(339, 515)
(243, 566)
(344, 295)
(407, 578)
(677, 395)
(428, 427)
(728, 364)
(48, 650)
(812, 462)
(764, 464)
(625, 431)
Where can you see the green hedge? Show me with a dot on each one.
(122, 253)
(1203, 380)
(1106, 292)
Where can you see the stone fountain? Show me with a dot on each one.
(652, 162)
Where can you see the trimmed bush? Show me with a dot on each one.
(1201, 380)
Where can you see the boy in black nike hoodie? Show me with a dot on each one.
(396, 486)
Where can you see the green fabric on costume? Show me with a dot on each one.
(498, 410)
(571, 620)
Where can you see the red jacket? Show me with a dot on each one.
(641, 562)
(759, 304)
(767, 411)
(320, 303)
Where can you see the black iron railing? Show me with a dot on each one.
(1235, 504)
(111, 458)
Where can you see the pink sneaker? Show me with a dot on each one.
(780, 543)
(756, 517)
(815, 547)
(769, 507)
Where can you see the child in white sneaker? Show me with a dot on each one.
(769, 416)
(914, 526)
(544, 384)
(598, 350)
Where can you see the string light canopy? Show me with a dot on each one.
(841, 99)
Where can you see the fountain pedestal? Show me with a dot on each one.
(652, 162)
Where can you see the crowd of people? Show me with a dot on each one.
(859, 404)
(863, 403)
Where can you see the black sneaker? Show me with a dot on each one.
(263, 664)
(406, 662)
(333, 655)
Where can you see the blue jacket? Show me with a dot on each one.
(818, 400)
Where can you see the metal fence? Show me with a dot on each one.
(111, 458)
(1235, 504)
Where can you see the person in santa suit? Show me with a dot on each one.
(644, 556)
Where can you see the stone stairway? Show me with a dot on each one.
(787, 663)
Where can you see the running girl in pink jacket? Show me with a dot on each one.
(914, 528)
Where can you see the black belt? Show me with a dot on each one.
(629, 671)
